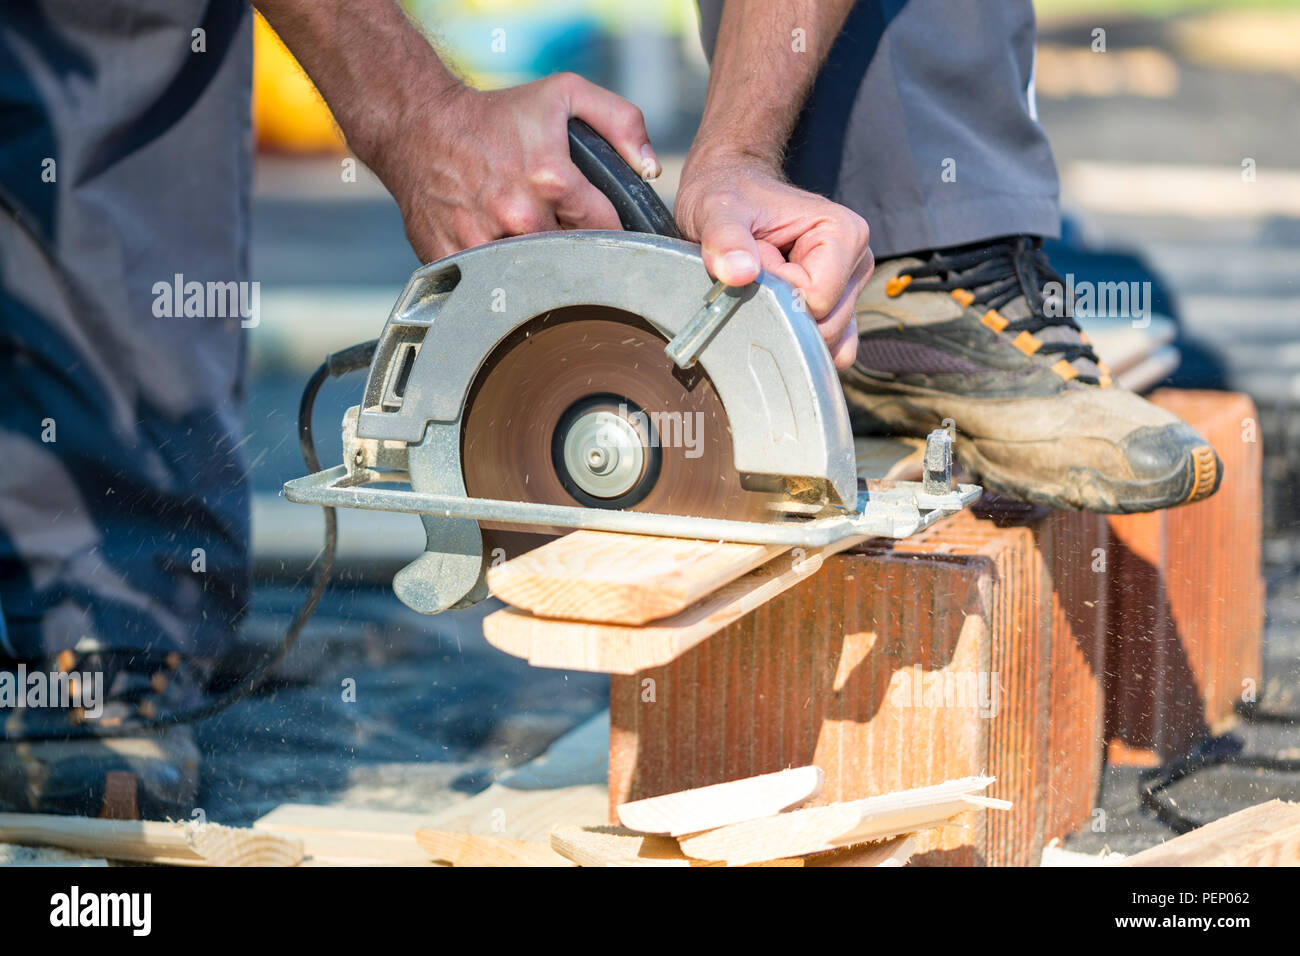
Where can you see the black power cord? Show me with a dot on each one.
(335, 365)
(1211, 753)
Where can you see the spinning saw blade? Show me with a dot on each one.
(584, 407)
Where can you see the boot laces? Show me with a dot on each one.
(994, 274)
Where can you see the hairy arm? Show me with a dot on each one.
(465, 166)
(733, 197)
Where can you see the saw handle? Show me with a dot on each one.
(638, 206)
(640, 209)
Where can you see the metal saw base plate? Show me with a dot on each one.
(885, 509)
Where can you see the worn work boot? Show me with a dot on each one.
(71, 775)
(966, 335)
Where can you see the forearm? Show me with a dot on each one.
(369, 62)
(733, 198)
(767, 55)
(465, 166)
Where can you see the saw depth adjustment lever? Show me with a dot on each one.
(640, 209)
(719, 303)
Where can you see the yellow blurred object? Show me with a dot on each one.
(288, 114)
(1258, 40)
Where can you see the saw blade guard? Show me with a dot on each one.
(767, 362)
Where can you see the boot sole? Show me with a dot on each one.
(1196, 479)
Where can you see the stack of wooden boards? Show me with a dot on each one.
(1009, 640)
(599, 601)
(753, 822)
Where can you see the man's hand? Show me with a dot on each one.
(747, 219)
(465, 166)
(733, 199)
(479, 166)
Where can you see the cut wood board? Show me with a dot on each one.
(342, 836)
(886, 853)
(457, 848)
(818, 829)
(1055, 855)
(208, 844)
(720, 805)
(621, 578)
(510, 823)
(618, 846)
(1263, 835)
(624, 649)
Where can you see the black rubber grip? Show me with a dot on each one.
(638, 206)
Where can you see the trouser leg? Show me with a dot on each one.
(124, 165)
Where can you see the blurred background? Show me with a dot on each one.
(1179, 150)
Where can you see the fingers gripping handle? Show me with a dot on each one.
(638, 206)
(640, 209)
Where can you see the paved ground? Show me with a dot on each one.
(437, 712)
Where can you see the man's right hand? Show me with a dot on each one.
(475, 166)
(749, 220)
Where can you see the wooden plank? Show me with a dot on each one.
(503, 826)
(624, 649)
(621, 578)
(618, 846)
(341, 836)
(208, 844)
(1264, 835)
(510, 823)
(1055, 855)
(886, 853)
(819, 829)
(477, 849)
(722, 804)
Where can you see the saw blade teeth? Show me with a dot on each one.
(529, 383)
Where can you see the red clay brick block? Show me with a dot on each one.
(1074, 544)
(1187, 597)
(872, 670)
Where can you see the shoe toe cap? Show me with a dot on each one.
(1174, 455)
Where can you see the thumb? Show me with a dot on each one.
(730, 252)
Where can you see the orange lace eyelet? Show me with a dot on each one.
(895, 286)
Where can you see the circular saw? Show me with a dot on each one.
(600, 379)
